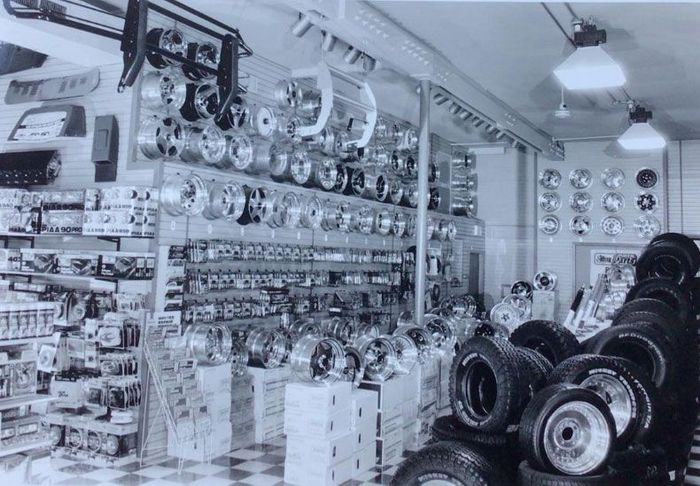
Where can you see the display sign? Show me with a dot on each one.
(602, 259)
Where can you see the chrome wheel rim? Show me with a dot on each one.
(341, 181)
(312, 213)
(406, 354)
(266, 348)
(363, 220)
(226, 201)
(209, 344)
(161, 138)
(354, 370)
(163, 90)
(421, 338)
(239, 151)
(208, 145)
(616, 395)
(300, 168)
(326, 174)
(318, 360)
(383, 222)
(577, 438)
(379, 355)
(206, 101)
(259, 205)
(184, 195)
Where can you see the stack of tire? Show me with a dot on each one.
(543, 409)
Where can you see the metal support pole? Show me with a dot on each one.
(422, 217)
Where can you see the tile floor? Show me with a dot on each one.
(257, 465)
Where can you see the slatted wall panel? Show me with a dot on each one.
(689, 152)
(556, 253)
(674, 187)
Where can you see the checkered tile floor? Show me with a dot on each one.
(258, 465)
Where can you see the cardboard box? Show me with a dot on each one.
(388, 424)
(390, 448)
(364, 406)
(364, 434)
(309, 423)
(328, 451)
(389, 393)
(364, 459)
(317, 474)
(215, 379)
(321, 399)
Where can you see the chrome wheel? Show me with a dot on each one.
(204, 145)
(161, 138)
(616, 395)
(163, 90)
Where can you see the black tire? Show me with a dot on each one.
(449, 428)
(676, 331)
(538, 417)
(667, 292)
(485, 385)
(537, 367)
(644, 345)
(527, 476)
(450, 461)
(681, 240)
(551, 340)
(666, 260)
(647, 304)
(648, 467)
(491, 330)
(581, 369)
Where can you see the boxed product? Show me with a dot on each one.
(321, 399)
(304, 423)
(310, 449)
(133, 266)
(10, 259)
(83, 263)
(364, 406)
(38, 260)
(310, 474)
(62, 222)
(364, 434)
(364, 459)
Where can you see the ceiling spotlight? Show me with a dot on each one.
(515, 144)
(477, 122)
(440, 99)
(464, 116)
(328, 42)
(302, 25)
(641, 135)
(500, 135)
(352, 55)
(454, 108)
(368, 63)
(490, 129)
(589, 66)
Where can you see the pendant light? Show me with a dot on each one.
(589, 66)
(641, 135)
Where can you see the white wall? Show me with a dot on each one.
(683, 168)
(506, 193)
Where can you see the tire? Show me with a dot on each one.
(449, 428)
(551, 417)
(538, 368)
(646, 466)
(551, 340)
(667, 292)
(449, 461)
(681, 240)
(644, 345)
(528, 476)
(668, 261)
(676, 331)
(616, 380)
(650, 310)
(492, 330)
(485, 385)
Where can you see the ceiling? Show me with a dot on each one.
(511, 49)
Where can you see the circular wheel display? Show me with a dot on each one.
(647, 226)
(442, 334)
(239, 152)
(411, 195)
(420, 337)
(521, 288)
(343, 329)
(612, 202)
(204, 145)
(395, 191)
(647, 202)
(94, 441)
(580, 225)
(209, 344)
(288, 94)
(550, 179)
(265, 122)
(110, 444)
(259, 207)
(325, 174)
(580, 178)
(237, 116)
(171, 40)
(613, 178)
(280, 161)
(506, 315)
(363, 220)
(441, 230)
(342, 178)
(383, 222)
(205, 53)
(581, 202)
(266, 348)
(545, 280)
(398, 226)
(226, 201)
(163, 90)
(239, 358)
(288, 127)
(202, 102)
(612, 226)
(406, 353)
(647, 178)
(434, 198)
(301, 168)
(379, 355)
(354, 370)
(318, 360)
(311, 213)
(550, 202)
(549, 225)
(161, 138)
(286, 209)
(184, 195)
(411, 226)
(398, 163)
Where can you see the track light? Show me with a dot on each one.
(368, 63)
(351, 55)
(464, 116)
(477, 122)
(439, 99)
(500, 135)
(302, 25)
(589, 66)
(490, 129)
(454, 108)
(641, 135)
(328, 42)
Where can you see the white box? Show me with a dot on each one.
(215, 379)
(409, 410)
(321, 399)
(390, 392)
(364, 434)
(268, 432)
(306, 449)
(364, 406)
(390, 449)
(268, 409)
(388, 425)
(364, 459)
(268, 379)
(204, 446)
(316, 475)
(309, 423)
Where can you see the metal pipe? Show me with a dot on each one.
(422, 213)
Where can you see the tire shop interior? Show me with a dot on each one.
(347, 242)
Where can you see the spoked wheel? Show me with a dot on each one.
(379, 355)
(161, 138)
(171, 40)
(239, 152)
(163, 90)
(260, 206)
(202, 102)
(311, 213)
(204, 145)
(318, 360)
(354, 370)
(184, 195)
(421, 338)
(226, 201)
(266, 348)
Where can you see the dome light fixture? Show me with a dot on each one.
(589, 66)
(641, 135)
